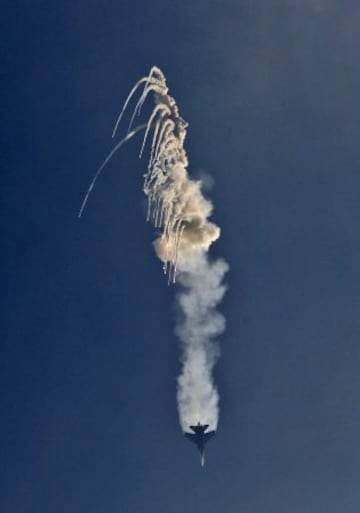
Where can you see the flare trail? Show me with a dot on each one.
(178, 208)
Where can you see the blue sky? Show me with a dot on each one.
(88, 353)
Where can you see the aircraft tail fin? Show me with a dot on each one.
(199, 428)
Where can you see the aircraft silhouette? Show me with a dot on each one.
(200, 438)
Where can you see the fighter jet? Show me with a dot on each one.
(200, 438)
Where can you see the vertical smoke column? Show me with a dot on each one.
(178, 208)
(197, 328)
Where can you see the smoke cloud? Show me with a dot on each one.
(178, 208)
(198, 326)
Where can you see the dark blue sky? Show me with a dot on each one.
(88, 355)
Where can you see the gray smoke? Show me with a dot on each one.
(198, 326)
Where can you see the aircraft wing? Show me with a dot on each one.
(191, 437)
(208, 435)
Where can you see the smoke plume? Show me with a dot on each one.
(178, 208)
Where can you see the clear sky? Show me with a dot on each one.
(89, 359)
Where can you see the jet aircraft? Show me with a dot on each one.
(200, 438)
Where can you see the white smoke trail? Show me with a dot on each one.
(197, 328)
(177, 206)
